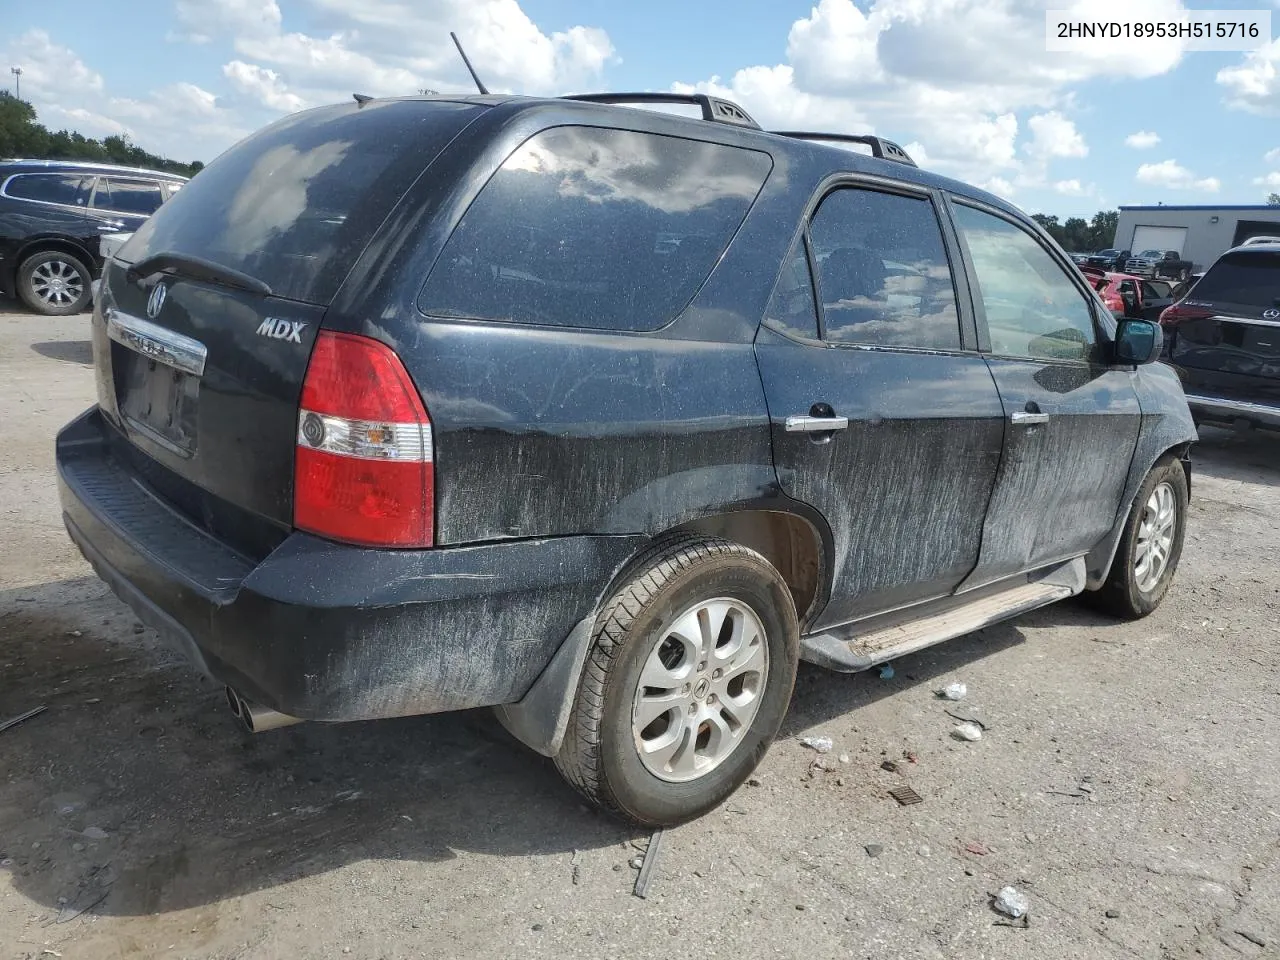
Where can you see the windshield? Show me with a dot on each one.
(295, 204)
(1245, 278)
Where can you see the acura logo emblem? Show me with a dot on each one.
(1272, 314)
(155, 302)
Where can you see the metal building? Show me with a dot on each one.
(1199, 233)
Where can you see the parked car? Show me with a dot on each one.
(1154, 263)
(748, 399)
(1224, 338)
(1079, 259)
(1109, 259)
(52, 216)
(1150, 297)
(1253, 241)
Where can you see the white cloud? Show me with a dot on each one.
(204, 20)
(1071, 188)
(1253, 84)
(1173, 176)
(1272, 179)
(263, 85)
(1272, 156)
(1142, 140)
(1053, 135)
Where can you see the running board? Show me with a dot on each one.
(860, 646)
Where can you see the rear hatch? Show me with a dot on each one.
(1226, 333)
(208, 315)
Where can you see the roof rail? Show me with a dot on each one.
(714, 109)
(880, 147)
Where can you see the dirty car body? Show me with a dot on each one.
(601, 355)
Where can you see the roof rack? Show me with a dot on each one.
(880, 148)
(714, 109)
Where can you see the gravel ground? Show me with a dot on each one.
(1128, 783)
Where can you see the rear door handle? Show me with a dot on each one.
(816, 424)
(1026, 419)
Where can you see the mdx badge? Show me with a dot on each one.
(155, 302)
(276, 329)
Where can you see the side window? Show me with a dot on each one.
(1033, 309)
(590, 227)
(48, 188)
(883, 275)
(792, 308)
(128, 196)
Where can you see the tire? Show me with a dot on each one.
(687, 759)
(54, 283)
(1126, 593)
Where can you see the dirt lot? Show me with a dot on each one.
(1129, 783)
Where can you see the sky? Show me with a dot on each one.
(965, 85)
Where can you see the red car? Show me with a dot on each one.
(1153, 295)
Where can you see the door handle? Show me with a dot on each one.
(1027, 419)
(816, 424)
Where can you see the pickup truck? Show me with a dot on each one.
(1154, 263)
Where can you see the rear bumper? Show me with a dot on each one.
(1227, 410)
(325, 631)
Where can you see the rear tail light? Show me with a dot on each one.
(363, 471)
(1175, 313)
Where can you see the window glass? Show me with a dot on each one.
(128, 196)
(1033, 309)
(47, 187)
(792, 308)
(883, 274)
(588, 227)
(1246, 278)
(296, 203)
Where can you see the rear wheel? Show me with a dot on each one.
(54, 283)
(1151, 546)
(686, 684)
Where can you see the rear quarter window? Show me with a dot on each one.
(597, 228)
(65, 188)
(295, 204)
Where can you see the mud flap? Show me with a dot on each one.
(540, 718)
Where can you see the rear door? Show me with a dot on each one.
(1071, 421)
(200, 366)
(883, 416)
(1232, 349)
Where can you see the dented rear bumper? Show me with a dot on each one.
(326, 631)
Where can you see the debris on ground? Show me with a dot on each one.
(1252, 938)
(844, 758)
(874, 849)
(641, 889)
(910, 756)
(969, 732)
(890, 765)
(576, 864)
(1113, 914)
(977, 849)
(94, 833)
(14, 721)
(969, 714)
(95, 889)
(886, 671)
(906, 796)
(1011, 903)
(820, 744)
(954, 691)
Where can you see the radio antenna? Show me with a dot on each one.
(470, 69)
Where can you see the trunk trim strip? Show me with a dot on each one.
(157, 343)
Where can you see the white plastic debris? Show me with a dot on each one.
(1009, 901)
(955, 691)
(968, 731)
(820, 744)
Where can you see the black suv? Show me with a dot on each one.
(605, 418)
(1224, 338)
(53, 215)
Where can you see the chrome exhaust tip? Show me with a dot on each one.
(256, 718)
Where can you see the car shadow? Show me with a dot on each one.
(146, 797)
(1252, 456)
(68, 351)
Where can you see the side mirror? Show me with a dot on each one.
(1132, 308)
(1137, 342)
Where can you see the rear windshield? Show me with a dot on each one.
(1252, 279)
(588, 227)
(295, 204)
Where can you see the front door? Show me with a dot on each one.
(1071, 420)
(882, 419)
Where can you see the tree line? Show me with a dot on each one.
(1079, 235)
(22, 135)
